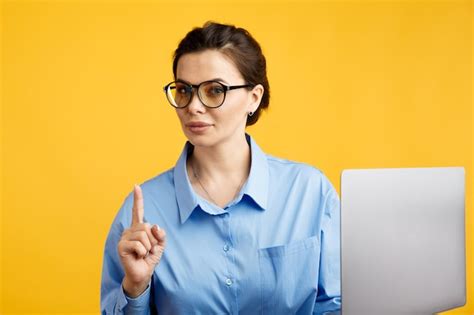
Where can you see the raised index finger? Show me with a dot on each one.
(137, 216)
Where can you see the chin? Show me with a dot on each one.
(201, 140)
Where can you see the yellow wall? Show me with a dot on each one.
(1, 163)
(354, 84)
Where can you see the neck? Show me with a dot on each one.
(229, 160)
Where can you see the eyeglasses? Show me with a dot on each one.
(211, 93)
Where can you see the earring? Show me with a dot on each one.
(251, 113)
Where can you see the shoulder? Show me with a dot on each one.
(304, 173)
(284, 166)
(162, 181)
(153, 188)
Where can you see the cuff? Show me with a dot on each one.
(139, 304)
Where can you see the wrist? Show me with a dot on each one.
(133, 290)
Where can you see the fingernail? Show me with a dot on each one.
(157, 227)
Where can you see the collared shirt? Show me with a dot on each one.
(273, 249)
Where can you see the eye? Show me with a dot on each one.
(214, 89)
(182, 89)
(217, 90)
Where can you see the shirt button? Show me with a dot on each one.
(226, 248)
(228, 282)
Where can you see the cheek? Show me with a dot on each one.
(180, 115)
(231, 118)
(238, 106)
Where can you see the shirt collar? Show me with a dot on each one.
(256, 186)
(258, 180)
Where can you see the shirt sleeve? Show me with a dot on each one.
(138, 305)
(113, 299)
(328, 300)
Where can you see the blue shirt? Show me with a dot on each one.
(274, 249)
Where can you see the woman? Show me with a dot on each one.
(246, 232)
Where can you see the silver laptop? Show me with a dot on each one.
(402, 240)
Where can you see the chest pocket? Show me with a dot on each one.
(289, 276)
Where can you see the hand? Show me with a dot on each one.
(140, 249)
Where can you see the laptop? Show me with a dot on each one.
(402, 240)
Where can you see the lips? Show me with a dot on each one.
(198, 127)
(197, 124)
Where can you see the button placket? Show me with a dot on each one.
(229, 278)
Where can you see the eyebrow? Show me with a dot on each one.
(213, 79)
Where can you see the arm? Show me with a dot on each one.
(328, 300)
(113, 299)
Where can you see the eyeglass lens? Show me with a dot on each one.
(210, 93)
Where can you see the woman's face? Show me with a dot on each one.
(222, 124)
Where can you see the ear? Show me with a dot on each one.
(255, 97)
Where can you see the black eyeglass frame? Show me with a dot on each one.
(195, 87)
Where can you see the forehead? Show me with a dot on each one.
(207, 65)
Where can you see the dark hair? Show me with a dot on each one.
(239, 46)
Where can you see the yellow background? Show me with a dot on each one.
(354, 85)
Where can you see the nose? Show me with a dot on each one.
(195, 105)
